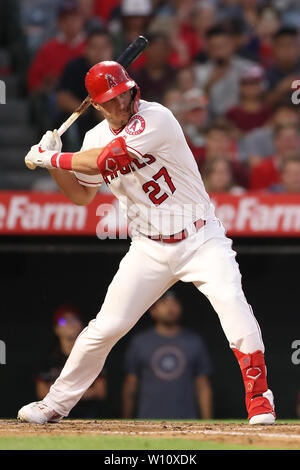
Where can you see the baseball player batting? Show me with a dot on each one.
(139, 151)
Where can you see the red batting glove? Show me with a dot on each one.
(113, 157)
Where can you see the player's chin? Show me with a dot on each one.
(124, 119)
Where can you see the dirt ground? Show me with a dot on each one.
(276, 436)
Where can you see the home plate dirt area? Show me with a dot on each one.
(280, 435)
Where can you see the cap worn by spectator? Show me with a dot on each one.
(136, 8)
(62, 311)
(193, 99)
(66, 8)
(254, 73)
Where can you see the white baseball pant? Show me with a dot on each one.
(145, 273)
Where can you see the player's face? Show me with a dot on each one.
(117, 111)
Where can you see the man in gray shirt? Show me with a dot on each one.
(219, 76)
(167, 368)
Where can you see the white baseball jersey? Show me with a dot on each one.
(161, 192)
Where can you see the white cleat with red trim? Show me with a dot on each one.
(39, 413)
(264, 402)
(263, 419)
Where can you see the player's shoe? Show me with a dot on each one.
(261, 409)
(39, 413)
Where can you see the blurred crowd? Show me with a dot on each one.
(225, 68)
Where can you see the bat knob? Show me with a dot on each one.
(30, 165)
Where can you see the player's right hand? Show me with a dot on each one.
(51, 141)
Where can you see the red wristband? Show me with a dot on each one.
(62, 160)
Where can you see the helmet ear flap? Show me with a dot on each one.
(136, 94)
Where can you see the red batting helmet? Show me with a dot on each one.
(107, 80)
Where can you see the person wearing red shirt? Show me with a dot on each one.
(52, 57)
(251, 112)
(267, 172)
(103, 9)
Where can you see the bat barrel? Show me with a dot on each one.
(133, 51)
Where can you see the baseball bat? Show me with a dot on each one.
(131, 53)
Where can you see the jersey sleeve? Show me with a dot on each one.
(91, 181)
(149, 131)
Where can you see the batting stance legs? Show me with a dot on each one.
(145, 273)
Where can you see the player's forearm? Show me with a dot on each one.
(86, 161)
(114, 156)
(68, 184)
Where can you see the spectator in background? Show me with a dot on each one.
(259, 143)
(252, 111)
(219, 76)
(187, 30)
(48, 65)
(38, 18)
(245, 43)
(87, 9)
(286, 65)
(218, 177)
(50, 60)
(193, 119)
(289, 176)
(185, 79)
(267, 172)
(71, 88)
(267, 26)
(220, 143)
(169, 365)
(249, 11)
(104, 9)
(67, 324)
(172, 101)
(13, 40)
(203, 18)
(156, 77)
(135, 16)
